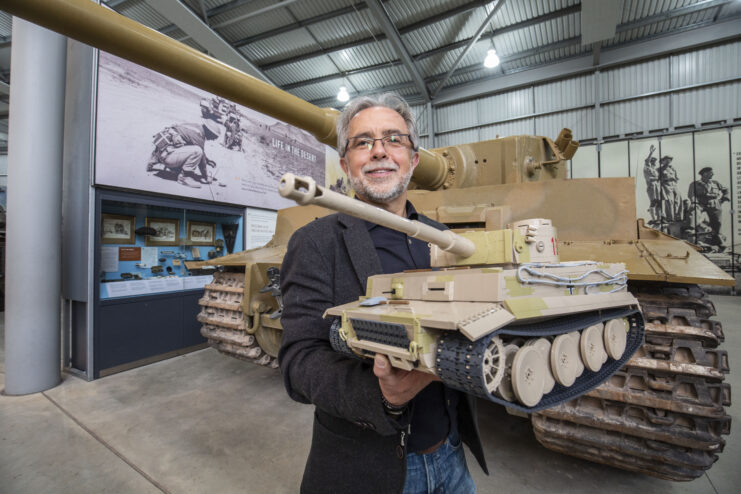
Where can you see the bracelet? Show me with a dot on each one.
(391, 409)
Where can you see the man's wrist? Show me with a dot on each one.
(391, 409)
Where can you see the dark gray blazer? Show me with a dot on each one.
(356, 447)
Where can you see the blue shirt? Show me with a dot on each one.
(431, 419)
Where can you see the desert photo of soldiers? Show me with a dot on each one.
(161, 135)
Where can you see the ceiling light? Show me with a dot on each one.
(343, 95)
(491, 60)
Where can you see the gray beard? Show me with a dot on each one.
(368, 190)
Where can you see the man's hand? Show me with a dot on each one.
(397, 385)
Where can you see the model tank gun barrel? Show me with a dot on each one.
(304, 190)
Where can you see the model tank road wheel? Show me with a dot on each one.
(505, 386)
(528, 375)
(663, 413)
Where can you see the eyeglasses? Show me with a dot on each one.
(389, 142)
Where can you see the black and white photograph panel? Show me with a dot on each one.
(161, 135)
(710, 194)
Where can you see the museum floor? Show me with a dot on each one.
(204, 422)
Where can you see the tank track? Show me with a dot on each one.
(223, 322)
(663, 414)
(460, 361)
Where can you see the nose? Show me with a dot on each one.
(378, 151)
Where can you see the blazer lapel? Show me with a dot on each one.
(360, 248)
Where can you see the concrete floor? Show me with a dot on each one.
(204, 422)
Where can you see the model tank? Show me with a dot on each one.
(663, 413)
(508, 329)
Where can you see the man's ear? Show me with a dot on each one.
(415, 160)
(343, 165)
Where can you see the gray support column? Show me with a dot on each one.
(34, 221)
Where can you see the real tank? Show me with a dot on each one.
(663, 413)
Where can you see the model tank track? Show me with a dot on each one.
(225, 324)
(663, 414)
(460, 361)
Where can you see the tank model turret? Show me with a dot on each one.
(516, 326)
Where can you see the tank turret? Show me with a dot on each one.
(516, 327)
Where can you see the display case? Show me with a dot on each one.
(149, 275)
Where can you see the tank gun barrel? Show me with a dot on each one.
(107, 30)
(304, 190)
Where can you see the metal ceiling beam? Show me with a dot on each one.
(689, 9)
(472, 41)
(395, 38)
(628, 53)
(576, 40)
(302, 24)
(364, 41)
(433, 52)
(192, 25)
(221, 9)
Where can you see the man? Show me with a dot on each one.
(181, 148)
(709, 194)
(376, 428)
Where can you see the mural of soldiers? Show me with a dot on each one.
(709, 194)
(181, 148)
(671, 199)
(232, 136)
(653, 188)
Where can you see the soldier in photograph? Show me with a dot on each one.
(653, 188)
(181, 148)
(671, 198)
(709, 194)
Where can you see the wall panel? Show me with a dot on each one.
(569, 93)
(513, 128)
(640, 115)
(707, 104)
(633, 80)
(503, 106)
(581, 123)
(457, 116)
(706, 65)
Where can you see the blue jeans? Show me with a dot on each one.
(444, 471)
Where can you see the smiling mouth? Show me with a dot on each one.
(380, 171)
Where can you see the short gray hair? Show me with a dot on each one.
(386, 100)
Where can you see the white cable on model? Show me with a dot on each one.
(620, 279)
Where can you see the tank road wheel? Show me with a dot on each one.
(269, 340)
(663, 413)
